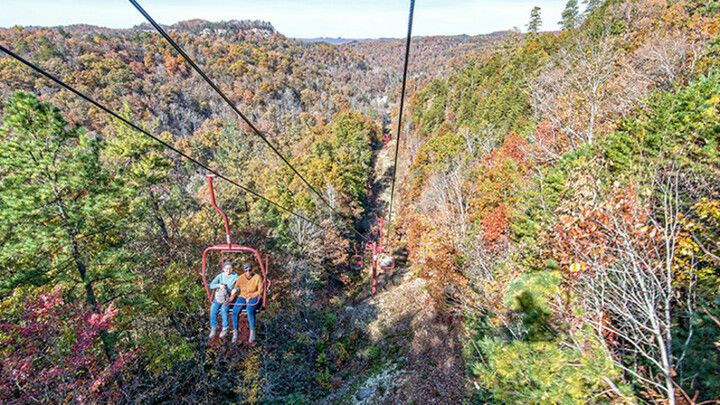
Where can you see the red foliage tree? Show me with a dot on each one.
(52, 354)
(495, 226)
(514, 147)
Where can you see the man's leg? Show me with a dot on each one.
(237, 308)
(251, 306)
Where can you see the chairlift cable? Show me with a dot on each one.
(148, 134)
(400, 113)
(215, 87)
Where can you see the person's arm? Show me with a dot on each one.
(258, 288)
(216, 282)
(235, 289)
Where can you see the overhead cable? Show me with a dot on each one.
(148, 134)
(402, 103)
(232, 105)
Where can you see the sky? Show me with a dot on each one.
(297, 18)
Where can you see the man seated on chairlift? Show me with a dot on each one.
(221, 284)
(248, 290)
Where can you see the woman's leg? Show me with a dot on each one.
(237, 308)
(213, 315)
(224, 315)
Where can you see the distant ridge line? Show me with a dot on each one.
(341, 40)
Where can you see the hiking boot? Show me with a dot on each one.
(252, 336)
(223, 333)
(234, 338)
(212, 333)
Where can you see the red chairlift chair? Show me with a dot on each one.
(357, 261)
(232, 248)
(384, 261)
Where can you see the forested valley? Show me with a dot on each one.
(555, 227)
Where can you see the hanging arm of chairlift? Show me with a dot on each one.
(214, 204)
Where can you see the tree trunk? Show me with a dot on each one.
(90, 295)
(158, 219)
(82, 271)
(665, 357)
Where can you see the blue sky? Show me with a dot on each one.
(297, 18)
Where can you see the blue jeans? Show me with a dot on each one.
(250, 306)
(214, 307)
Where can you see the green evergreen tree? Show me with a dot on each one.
(592, 5)
(144, 168)
(535, 21)
(60, 212)
(571, 15)
(64, 216)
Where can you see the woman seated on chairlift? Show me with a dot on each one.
(222, 283)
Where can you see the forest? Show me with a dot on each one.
(555, 226)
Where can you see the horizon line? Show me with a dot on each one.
(137, 26)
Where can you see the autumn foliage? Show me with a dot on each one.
(52, 354)
(556, 193)
(573, 176)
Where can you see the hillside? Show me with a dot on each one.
(292, 83)
(560, 198)
(258, 67)
(431, 57)
(555, 229)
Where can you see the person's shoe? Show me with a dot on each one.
(212, 333)
(223, 333)
(252, 336)
(234, 338)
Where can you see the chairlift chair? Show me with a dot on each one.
(232, 248)
(357, 261)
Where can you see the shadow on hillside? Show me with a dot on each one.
(413, 354)
(375, 206)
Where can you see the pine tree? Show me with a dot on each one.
(535, 21)
(571, 15)
(61, 213)
(592, 5)
(144, 168)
